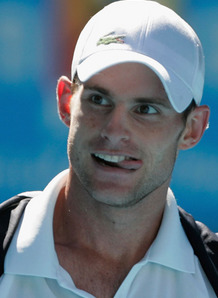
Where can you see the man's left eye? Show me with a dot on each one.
(146, 109)
(99, 100)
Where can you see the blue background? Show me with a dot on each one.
(36, 46)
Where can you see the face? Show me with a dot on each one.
(124, 135)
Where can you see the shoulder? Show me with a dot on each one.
(11, 211)
(14, 201)
(13, 208)
(200, 228)
(204, 242)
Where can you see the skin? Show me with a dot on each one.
(115, 211)
(114, 125)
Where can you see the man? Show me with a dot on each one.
(109, 226)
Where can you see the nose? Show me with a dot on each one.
(116, 127)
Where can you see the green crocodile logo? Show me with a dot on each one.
(111, 38)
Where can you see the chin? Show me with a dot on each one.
(116, 199)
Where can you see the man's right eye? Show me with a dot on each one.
(99, 100)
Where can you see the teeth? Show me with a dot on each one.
(111, 158)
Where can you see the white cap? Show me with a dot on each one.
(148, 33)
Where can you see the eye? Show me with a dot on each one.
(146, 109)
(99, 100)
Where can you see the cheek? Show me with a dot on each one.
(91, 119)
(163, 140)
(92, 122)
(83, 124)
(84, 117)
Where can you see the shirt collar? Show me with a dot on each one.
(171, 247)
(32, 250)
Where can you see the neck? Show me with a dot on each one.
(119, 233)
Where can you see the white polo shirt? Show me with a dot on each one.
(168, 270)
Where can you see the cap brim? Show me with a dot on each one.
(173, 85)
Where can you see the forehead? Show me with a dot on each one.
(128, 79)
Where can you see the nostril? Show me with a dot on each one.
(115, 135)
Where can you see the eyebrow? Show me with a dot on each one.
(149, 100)
(153, 100)
(98, 89)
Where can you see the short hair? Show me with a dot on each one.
(189, 109)
(75, 84)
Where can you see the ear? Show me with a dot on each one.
(196, 124)
(64, 96)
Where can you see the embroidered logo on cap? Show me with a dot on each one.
(111, 38)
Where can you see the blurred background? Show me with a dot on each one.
(37, 39)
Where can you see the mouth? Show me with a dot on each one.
(117, 161)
